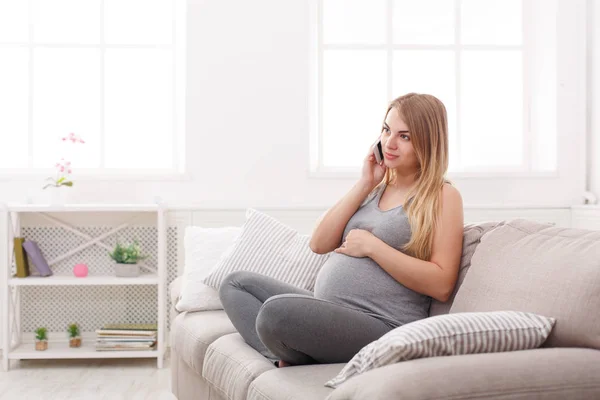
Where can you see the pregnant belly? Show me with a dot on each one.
(360, 283)
(352, 281)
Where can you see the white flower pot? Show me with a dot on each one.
(58, 195)
(127, 270)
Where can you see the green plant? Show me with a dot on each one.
(73, 330)
(127, 254)
(41, 334)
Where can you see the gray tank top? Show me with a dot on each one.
(360, 283)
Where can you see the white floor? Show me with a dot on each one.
(100, 379)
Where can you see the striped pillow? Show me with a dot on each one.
(450, 334)
(269, 247)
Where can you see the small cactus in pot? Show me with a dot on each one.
(74, 335)
(41, 339)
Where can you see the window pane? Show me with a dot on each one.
(66, 21)
(138, 21)
(66, 98)
(14, 25)
(354, 21)
(354, 104)
(138, 108)
(431, 72)
(491, 22)
(491, 109)
(423, 22)
(14, 98)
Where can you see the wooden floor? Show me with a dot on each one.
(114, 379)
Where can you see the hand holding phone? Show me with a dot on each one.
(374, 169)
(378, 151)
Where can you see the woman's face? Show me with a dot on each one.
(396, 141)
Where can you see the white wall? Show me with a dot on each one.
(247, 118)
(594, 97)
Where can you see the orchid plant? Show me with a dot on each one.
(63, 167)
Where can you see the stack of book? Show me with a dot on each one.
(128, 337)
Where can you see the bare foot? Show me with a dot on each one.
(283, 364)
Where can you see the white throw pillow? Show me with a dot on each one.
(450, 334)
(269, 247)
(204, 247)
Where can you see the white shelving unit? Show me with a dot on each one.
(12, 344)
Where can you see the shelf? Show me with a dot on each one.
(90, 280)
(11, 301)
(81, 207)
(56, 350)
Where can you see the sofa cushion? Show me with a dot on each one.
(272, 248)
(303, 382)
(448, 335)
(471, 236)
(231, 365)
(549, 374)
(175, 289)
(192, 333)
(204, 247)
(534, 267)
(174, 292)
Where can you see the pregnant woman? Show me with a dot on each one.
(396, 242)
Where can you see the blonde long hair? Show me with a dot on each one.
(427, 121)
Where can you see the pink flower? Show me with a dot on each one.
(63, 167)
(73, 138)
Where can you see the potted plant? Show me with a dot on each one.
(41, 339)
(126, 256)
(74, 335)
(60, 185)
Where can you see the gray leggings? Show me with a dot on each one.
(287, 323)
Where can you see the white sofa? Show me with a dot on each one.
(211, 361)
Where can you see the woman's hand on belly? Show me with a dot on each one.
(358, 243)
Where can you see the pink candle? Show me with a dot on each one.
(80, 270)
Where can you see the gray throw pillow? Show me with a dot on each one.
(471, 237)
(269, 247)
(450, 334)
(529, 266)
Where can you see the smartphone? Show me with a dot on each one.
(378, 151)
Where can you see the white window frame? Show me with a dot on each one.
(562, 187)
(178, 51)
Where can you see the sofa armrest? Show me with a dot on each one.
(174, 293)
(548, 373)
